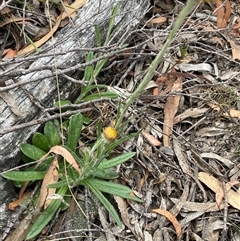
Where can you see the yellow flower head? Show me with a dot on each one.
(110, 133)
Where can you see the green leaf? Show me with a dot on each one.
(75, 156)
(99, 67)
(74, 131)
(85, 90)
(105, 174)
(98, 35)
(62, 103)
(32, 151)
(72, 173)
(113, 188)
(24, 176)
(40, 141)
(99, 129)
(86, 120)
(26, 159)
(105, 202)
(105, 164)
(96, 96)
(89, 69)
(46, 216)
(111, 23)
(118, 142)
(61, 184)
(51, 133)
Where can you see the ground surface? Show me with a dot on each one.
(188, 151)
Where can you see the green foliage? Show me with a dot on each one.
(51, 133)
(40, 141)
(24, 176)
(31, 151)
(96, 168)
(74, 131)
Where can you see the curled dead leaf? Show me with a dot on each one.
(171, 218)
(215, 185)
(16, 203)
(50, 178)
(154, 141)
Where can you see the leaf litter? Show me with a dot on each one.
(194, 186)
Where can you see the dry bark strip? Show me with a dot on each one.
(37, 76)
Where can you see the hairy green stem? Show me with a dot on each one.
(176, 26)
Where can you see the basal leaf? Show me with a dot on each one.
(51, 133)
(24, 176)
(31, 151)
(40, 141)
(74, 131)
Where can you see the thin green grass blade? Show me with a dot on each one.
(98, 35)
(111, 23)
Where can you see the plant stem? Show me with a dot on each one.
(182, 15)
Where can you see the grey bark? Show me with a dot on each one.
(38, 78)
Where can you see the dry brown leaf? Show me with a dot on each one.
(235, 50)
(154, 141)
(199, 207)
(171, 218)
(13, 19)
(50, 178)
(144, 179)
(220, 192)
(156, 21)
(123, 208)
(66, 155)
(192, 113)
(182, 159)
(228, 11)
(41, 41)
(237, 25)
(214, 184)
(222, 15)
(170, 110)
(10, 101)
(9, 53)
(71, 9)
(59, 150)
(14, 204)
(233, 113)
